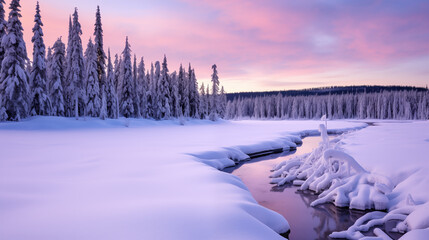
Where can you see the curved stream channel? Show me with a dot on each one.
(306, 222)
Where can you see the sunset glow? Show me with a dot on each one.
(261, 45)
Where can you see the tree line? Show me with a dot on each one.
(377, 105)
(68, 81)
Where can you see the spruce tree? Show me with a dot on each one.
(110, 89)
(214, 98)
(164, 91)
(142, 88)
(117, 71)
(40, 102)
(14, 90)
(127, 100)
(136, 88)
(203, 104)
(157, 105)
(68, 84)
(93, 100)
(77, 74)
(57, 79)
(99, 48)
(3, 24)
(151, 96)
(183, 96)
(194, 100)
(175, 106)
(49, 60)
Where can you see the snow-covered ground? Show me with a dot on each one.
(399, 151)
(92, 179)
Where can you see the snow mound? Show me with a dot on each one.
(336, 176)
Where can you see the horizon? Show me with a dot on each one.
(270, 47)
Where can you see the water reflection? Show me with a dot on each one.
(306, 222)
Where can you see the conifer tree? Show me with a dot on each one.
(57, 79)
(193, 93)
(49, 60)
(3, 24)
(222, 102)
(214, 98)
(93, 103)
(77, 68)
(164, 91)
(151, 98)
(40, 102)
(127, 100)
(136, 88)
(67, 84)
(183, 93)
(99, 48)
(14, 90)
(142, 88)
(203, 104)
(112, 106)
(117, 71)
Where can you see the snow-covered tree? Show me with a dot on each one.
(40, 102)
(112, 106)
(136, 88)
(117, 72)
(99, 48)
(49, 60)
(214, 97)
(183, 88)
(57, 79)
(76, 71)
(222, 103)
(14, 90)
(164, 91)
(142, 89)
(127, 99)
(203, 108)
(93, 99)
(3, 25)
(67, 84)
(152, 93)
(175, 98)
(194, 100)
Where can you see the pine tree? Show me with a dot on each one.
(157, 105)
(203, 104)
(194, 100)
(183, 93)
(112, 106)
(164, 91)
(222, 102)
(142, 89)
(117, 72)
(175, 99)
(93, 103)
(40, 102)
(68, 84)
(14, 90)
(136, 88)
(127, 101)
(151, 96)
(3, 25)
(57, 79)
(99, 48)
(214, 98)
(49, 60)
(77, 81)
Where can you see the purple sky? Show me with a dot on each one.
(261, 45)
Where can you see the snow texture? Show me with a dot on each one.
(94, 179)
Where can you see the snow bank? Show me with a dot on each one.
(92, 179)
(336, 176)
(380, 167)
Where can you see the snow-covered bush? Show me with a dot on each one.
(335, 176)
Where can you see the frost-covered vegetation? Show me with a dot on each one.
(376, 105)
(67, 82)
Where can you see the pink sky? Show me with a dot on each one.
(260, 45)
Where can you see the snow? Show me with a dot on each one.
(398, 151)
(93, 179)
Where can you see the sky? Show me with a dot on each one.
(259, 45)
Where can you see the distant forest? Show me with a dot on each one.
(334, 90)
(357, 102)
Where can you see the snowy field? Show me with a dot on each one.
(92, 179)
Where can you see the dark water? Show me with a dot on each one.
(306, 222)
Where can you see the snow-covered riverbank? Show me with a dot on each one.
(93, 179)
